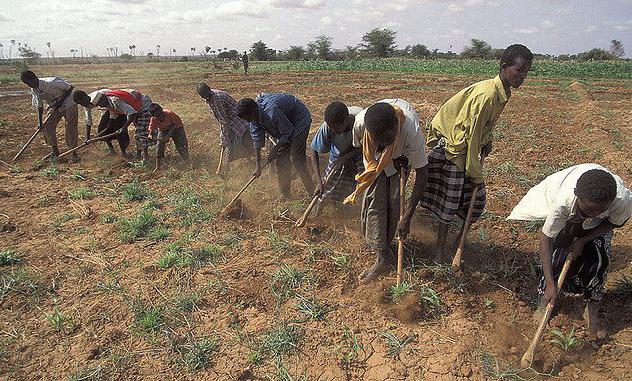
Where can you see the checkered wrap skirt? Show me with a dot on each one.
(587, 273)
(448, 191)
(342, 182)
(141, 133)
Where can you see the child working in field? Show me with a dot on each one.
(169, 125)
(391, 139)
(580, 206)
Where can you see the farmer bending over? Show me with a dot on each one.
(234, 133)
(168, 125)
(335, 136)
(285, 118)
(580, 206)
(131, 104)
(391, 140)
(56, 92)
(107, 125)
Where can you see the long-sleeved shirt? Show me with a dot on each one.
(50, 89)
(411, 144)
(283, 116)
(171, 120)
(554, 201)
(224, 108)
(466, 122)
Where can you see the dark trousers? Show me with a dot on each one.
(179, 138)
(117, 124)
(294, 155)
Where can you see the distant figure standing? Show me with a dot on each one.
(244, 59)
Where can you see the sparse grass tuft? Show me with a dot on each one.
(350, 348)
(58, 320)
(188, 302)
(430, 301)
(277, 242)
(23, 283)
(395, 345)
(135, 191)
(312, 308)
(196, 354)
(492, 369)
(139, 226)
(178, 256)
(81, 193)
(623, 286)
(148, 319)
(281, 340)
(341, 262)
(50, 172)
(188, 207)
(9, 257)
(89, 374)
(286, 281)
(563, 340)
(396, 291)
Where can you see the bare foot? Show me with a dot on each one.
(379, 267)
(592, 321)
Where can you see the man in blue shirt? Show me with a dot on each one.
(335, 136)
(285, 118)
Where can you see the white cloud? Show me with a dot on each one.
(306, 4)
(548, 24)
(591, 28)
(326, 20)
(526, 30)
(241, 8)
(4, 18)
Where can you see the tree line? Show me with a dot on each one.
(381, 43)
(377, 43)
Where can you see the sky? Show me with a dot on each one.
(545, 26)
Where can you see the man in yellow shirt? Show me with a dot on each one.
(460, 137)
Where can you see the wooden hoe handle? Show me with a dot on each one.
(527, 358)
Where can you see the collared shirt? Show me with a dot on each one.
(327, 140)
(224, 108)
(411, 140)
(553, 200)
(88, 110)
(467, 121)
(51, 89)
(172, 120)
(283, 116)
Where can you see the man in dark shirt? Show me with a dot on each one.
(285, 118)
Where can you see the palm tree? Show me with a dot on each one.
(1, 51)
(193, 51)
(158, 50)
(74, 52)
(174, 53)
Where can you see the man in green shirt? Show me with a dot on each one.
(460, 137)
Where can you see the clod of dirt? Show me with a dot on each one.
(245, 375)
(94, 353)
(235, 210)
(408, 310)
(7, 227)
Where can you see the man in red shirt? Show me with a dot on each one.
(169, 125)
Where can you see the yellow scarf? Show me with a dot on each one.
(374, 167)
